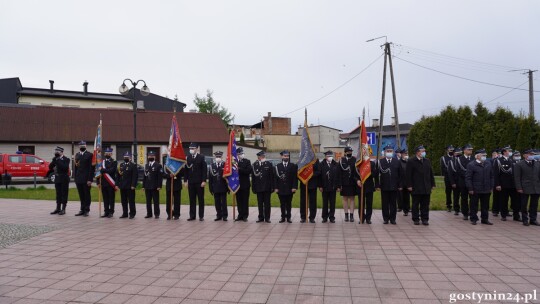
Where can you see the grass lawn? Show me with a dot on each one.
(437, 197)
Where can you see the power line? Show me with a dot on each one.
(461, 77)
(507, 92)
(334, 90)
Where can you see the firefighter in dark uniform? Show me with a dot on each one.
(242, 195)
(371, 183)
(516, 156)
(420, 182)
(503, 172)
(60, 168)
(152, 183)
(461, 166)
(453, 176)
(218, 187)
(312, 186)
(479, 181)
(195, 177)
(262, 183)
(391, 183)
(445, 168)
(128, 176)
(349, 178)
(84, 175)
(527, 180)
(330, 183)
(404, 196)
(108, 187)
(285, 184)
(176, 192)
(496, 204)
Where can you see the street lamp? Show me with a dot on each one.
(145, 91)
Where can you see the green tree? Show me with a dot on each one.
(242, 138)
(207, 104)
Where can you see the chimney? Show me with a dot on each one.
(375, 122)
(269, 123)
(85, 85)
(52, 85)
(393, 121)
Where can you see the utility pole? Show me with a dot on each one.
(531, 94)
(389, 54)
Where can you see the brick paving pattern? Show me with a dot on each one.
(95, 260)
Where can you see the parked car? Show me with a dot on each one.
(24, 166)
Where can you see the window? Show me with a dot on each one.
(15, 158)
(27, 149)
(32, 160)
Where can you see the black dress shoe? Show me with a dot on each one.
(105, 215)
(110, 215)
(495, 214)
(289, 221)
(503, 218)
(80, 213)
(393, 222)
(176, 218)
(168, 218)
(191, 219)
(244, 220)
(351, 218)
(237, 219)
(417, 222)
(56, 211)
(526, 224)
(456, 213)
(282, 220)
(332, 220)
(486, 222)
(368, 221)
(123, 216)
(323, 220)
(131, 217)
(62, 212)
(449, 210)
(405, 213)
(302, 220)
(534, 223)
(259, 221)
(201, 219)
(425, 223)
(385, 222)
(85, 214)
(268, 221)
(312, 221)
(465, 218)
(218, 219)
(473, 222)
(399, 210)
(517, 219)
(148, 216)
(157, 217)
(225, 219)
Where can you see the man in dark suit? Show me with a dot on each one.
(196, 175)
(461, 166)
(445, 168)
(242, 195)
(285, 184)
(479, 181)
(390, 178)
(263, 180)
(107, 183)
(503, 172)
(527, 180)
(370, 184)
(454, 178)
(420, 182)
(152, 183)
(330, 183)
(60, 168)
(127, 182)
(312, 186)
(218, 187)
(174, 181)
(496, 204)
(404, 196)
(84, 175)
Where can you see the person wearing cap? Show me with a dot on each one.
(496, 203)
(505, 185)
(127, 178)
(263, 180)
(84, 175)
(454, 179)
(461, 165)
(218, 187)
(312, 185)
(242, 195)
(195, 178)
(60, 167)
(445, 164)
(370, 184)
(527, 180)
(107, 183)
(176, 182)
(349, 188)
(330, 184)
(479, 180)
(152, 183)
(420, 182)
(404, 196)
(285, 184)
(391, 182)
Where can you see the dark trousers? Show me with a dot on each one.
(483, 199)
(62, 190)
(263, 200)
(509, 194)
(127, 196)
(405, 196)
(464, 193)
(329, 204)
(242, 200)
(389, 210)
(220, 201)
(496, 204)
(420, 201)
(312, 202)
(456, 194)
(196, 193)
(175, 203)
(152, 195)
(285, 202)
(368, 205)
(448, 193)
(108, 199)
(84, 195)
(531, 201)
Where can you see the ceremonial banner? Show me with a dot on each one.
(362, 158)
(176, 158)
(307, 156)
(230, 169)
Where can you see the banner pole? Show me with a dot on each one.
(361, 211)
(307, 199)
(99, 194)
(234, 206)
(172, 186)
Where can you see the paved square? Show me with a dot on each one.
(95, 260)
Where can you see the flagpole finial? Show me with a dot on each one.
(305, 116)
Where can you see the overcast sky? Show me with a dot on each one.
(277, 56)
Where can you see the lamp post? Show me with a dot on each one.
(145, 91)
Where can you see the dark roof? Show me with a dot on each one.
(56, 124)
(72, 94)
(404, 129)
